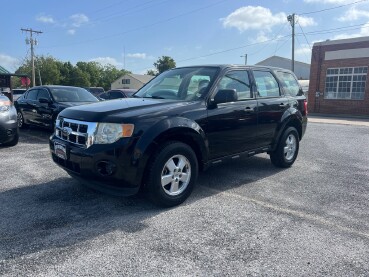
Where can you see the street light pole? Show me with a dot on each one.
(245, 58)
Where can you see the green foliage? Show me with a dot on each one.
(151, 72)
(83, 74)
(164, 63)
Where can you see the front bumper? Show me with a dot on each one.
(108, 168)
(8, 125)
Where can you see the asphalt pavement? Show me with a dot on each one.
(244, 218)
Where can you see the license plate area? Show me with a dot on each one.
(60, 150)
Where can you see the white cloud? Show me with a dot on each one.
(303, 50)
(45, 19)
(306, 21)
(168, 48)
(364, 31)
(253, 18)
(78, 19)
(8, 62)
(261, 37)
(106, 61)
(354, 14)
(71, 32)
(137, 56)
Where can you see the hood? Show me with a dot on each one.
(115, 110)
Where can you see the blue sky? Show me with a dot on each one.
(133, 34)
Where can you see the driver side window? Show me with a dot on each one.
(239, 81)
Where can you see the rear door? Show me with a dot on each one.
(232, 126)
(272, 104)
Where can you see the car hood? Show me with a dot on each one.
(114, 110)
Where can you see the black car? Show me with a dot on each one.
(41, 105)
(181, 122)
(117, 93)
(8, 122)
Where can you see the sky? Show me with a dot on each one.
(133, 34)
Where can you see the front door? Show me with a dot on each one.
(232, 126)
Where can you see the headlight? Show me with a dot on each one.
(5, 106)
(111, 132)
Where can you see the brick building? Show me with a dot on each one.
(339, 77)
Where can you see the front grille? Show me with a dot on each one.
(75, 131)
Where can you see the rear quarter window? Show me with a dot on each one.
(289, 83)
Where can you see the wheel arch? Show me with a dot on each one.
(182, 130)
(293, 120)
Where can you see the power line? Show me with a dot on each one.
(303, 34)
(138, 28)
(336, 7)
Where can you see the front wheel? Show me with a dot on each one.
(172, 174)
(287, 149)
(21, 123)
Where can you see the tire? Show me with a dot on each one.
(21, 123)
(287, 149)
(13, 142)
(172, 174)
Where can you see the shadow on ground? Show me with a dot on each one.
(63, 213)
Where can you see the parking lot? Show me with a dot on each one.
(243, 218)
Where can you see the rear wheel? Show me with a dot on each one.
(172, 174)
(287, 149)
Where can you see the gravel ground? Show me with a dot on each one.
(243, 218)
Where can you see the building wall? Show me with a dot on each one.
(134, 83)
(302, 71)
(324, 57)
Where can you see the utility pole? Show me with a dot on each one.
(32, 42)
(245, 58)
(291, 19)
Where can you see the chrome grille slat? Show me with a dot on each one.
(80, 133)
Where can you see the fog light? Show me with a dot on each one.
(106, 168)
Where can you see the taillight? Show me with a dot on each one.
(306, 107)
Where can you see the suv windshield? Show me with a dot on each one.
(187, 84)
(72, 94)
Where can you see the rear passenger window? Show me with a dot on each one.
(238, 80)
(116, 94)
(266, 84)
(289, 83)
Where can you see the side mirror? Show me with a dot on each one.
(225, 96)
(44, 100)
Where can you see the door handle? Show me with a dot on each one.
(283, 105)
(249, 109)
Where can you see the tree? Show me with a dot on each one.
(79, 78)
(151, 72)
(110, 74)
(164, 63)
(94, 70)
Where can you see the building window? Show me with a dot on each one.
(346, 83)
(126, 81)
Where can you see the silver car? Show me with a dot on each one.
(8, 122)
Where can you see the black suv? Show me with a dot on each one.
(182, 121)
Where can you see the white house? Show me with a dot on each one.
(131, 81)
